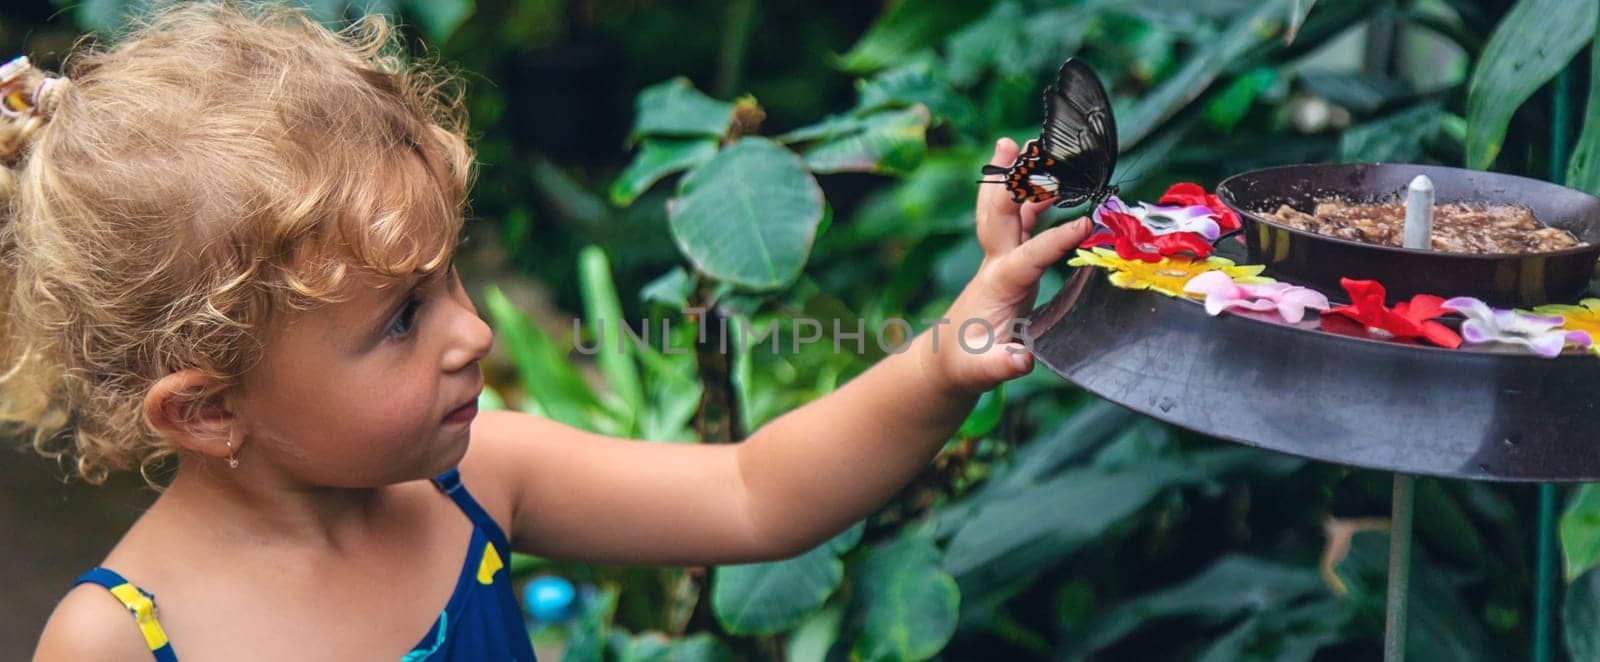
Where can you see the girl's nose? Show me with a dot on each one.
(470, 336)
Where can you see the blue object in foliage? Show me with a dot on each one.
(550, 599)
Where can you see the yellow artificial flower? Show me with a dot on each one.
(1583, 317)
(1167, 276)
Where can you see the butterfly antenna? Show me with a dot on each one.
(1131, 166)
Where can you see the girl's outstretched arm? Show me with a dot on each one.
(800, 478)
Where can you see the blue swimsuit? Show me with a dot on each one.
(482, 621)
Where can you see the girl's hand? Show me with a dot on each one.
(1003, 290)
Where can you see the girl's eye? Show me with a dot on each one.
(401, 324)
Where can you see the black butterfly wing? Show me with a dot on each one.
(1080, 134)
(1027, 178)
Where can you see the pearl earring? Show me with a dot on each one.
(233, 462)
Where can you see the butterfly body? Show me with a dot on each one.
(1076, 152)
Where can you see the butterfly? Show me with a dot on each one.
(1076, 151)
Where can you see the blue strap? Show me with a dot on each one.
(450, 483)
(140, 603)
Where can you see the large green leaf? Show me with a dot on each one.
(1012, 536)
(616, 352)
(1397, 138)
(1580, 617)
(749, 215)
(1583, 171)
(906, 27)
(1234, 585)
(920, 82)
(886, 142)
(659, 157)
(1529, 46)
(1442, 626)
(1282, 635)
(542, 370)
(675, 108)
(1015, 44)
(763, 598)
(1580, 531)
(1256, 25)
(908, 604)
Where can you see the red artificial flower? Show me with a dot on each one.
(1188, 194)
(1134, 241)
(1407, 320)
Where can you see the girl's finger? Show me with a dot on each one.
(1022, 267)
(998, 219)
(1030, 215)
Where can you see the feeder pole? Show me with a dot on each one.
(1419, 227)
(1549, 495)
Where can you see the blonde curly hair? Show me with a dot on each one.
(217, 166)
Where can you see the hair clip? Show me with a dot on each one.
(13, 101)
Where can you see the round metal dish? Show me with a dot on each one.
(1526, 279)
(1472, 414)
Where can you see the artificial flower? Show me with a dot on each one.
(1166, 275)
(1407, 320)
(1189, 194)
(1222, 292)
(1165, 219)
(1542, 334)
(1134, 241)
(1585, 317)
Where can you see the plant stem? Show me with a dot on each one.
(734, 41)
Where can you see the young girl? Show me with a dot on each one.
(226, 254)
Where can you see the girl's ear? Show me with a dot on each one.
(178, 406)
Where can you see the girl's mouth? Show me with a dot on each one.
(463, 414)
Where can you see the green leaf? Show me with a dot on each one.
(764, 598)
(1442, 627)
(911, 84)
(889, 142)
(542, 370)
(906, 27)
(847, 540)
(1580, 531)
(675, 108)
(657, 647)
(1234, 102)
(986, 414)
(1580, 617)
(659, 157)
(1583, 172)
(439, 18)
(1012, 536)
(590, 630)
(616, 352)
(1233, 585)
(1250, 29)
(814, 638)
(1297, 17)
(1530, 45)
(1282, 635)
(748, 216)
(670, 289)
(908, 604)
(1397, 138)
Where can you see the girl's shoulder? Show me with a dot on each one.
(90, 624)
